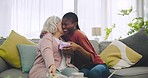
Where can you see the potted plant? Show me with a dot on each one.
(135, 25)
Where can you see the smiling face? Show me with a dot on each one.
(68, 25)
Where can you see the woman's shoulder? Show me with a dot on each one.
(47, 36)
(80, 33)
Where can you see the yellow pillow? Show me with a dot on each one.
(117, 55)
(8, 50)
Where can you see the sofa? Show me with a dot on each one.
(131, 72)
(136, 71)
(8, 71)
(137, 42)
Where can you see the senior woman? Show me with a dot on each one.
(50, 60)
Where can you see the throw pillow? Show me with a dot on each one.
(139, 43)
(117, 55)
(27, 55)
(8, 50)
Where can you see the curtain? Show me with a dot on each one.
(28, 16)
(146, 9)
(89, 14)
(5, 17)
(121, 22)
(104, 13)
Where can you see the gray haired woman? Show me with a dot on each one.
(50, 60)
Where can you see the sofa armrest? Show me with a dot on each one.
(3, 65)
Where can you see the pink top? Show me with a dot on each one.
(47, 54)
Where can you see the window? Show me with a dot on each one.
(89, 13)
(121, 22)
(104, 13)
(27, 16)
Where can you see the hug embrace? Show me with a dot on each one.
(64, 49)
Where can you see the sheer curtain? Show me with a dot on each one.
(121, 22)
(104, 13)
(5, 17)
(28, 16)
(146, 9)
(89, 13)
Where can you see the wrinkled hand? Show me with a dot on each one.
(52, 70)
(70, 49)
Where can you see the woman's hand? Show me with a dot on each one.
(70, 49)
(52, 70)
(77, 49)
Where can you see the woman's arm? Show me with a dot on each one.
(77, 49)
(47, 50)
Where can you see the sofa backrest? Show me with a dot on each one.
(2, 40)
(98, 46)
(103, 45)
(95, 44)
(3, 65)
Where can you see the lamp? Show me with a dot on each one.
(96, 31)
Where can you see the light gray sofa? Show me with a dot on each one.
(138, 71)
(132, 72)
(139, 43)
(7, 71)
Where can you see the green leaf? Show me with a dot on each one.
(146, 23)
(108, 31)
(126, 11)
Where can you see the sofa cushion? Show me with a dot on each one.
(103, 45)
(95, 44)
(3, 65)
(132, 72)
(139, 43)
(2, 40)
(27, 55)
(13, 73)
(8, 50)
(117, 55)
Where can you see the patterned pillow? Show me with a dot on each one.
(139, 43)
(117, 55)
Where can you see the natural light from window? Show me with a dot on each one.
(27, 16)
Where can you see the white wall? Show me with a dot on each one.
(5, 17)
